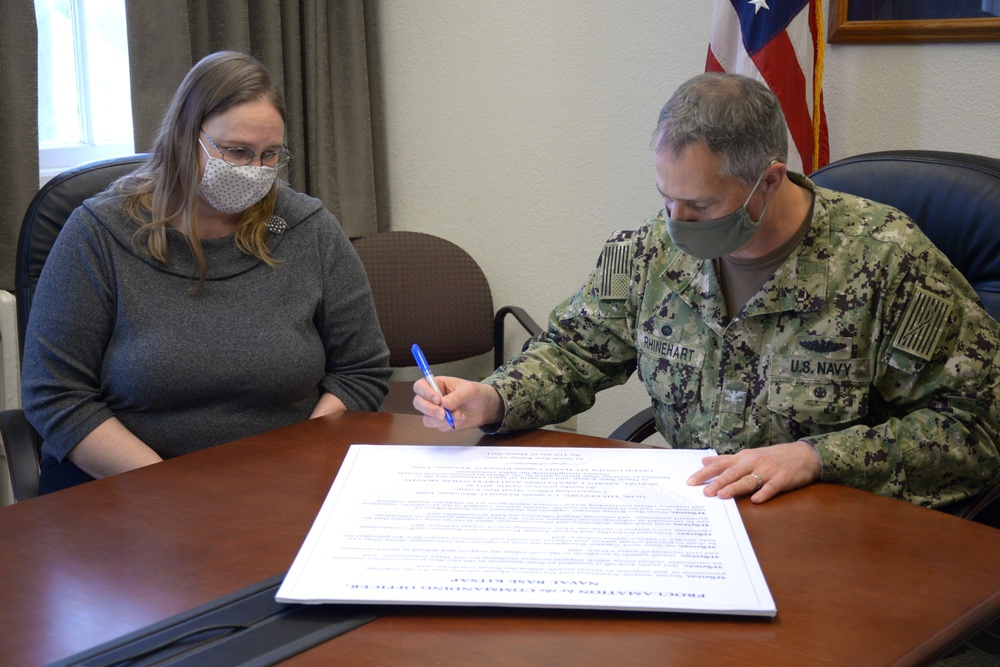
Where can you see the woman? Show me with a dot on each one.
(198, 300)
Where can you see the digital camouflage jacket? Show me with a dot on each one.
(867, 343)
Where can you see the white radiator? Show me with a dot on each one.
(11, 368)
(10, 372)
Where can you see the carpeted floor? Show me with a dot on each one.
(970, 657)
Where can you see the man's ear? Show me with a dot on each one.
(774, 176)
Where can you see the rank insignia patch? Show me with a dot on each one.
(616, 264)
(921, 326)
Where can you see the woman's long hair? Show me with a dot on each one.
(164, 191)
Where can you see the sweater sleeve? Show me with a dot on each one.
(357, 359)
(72, 316)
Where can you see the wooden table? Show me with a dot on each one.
(857, 578)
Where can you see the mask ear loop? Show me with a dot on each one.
(755, 186)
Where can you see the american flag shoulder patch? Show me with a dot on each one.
(616, 267)
(921, 328)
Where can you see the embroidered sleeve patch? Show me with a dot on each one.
(921, 326)
(616, 265)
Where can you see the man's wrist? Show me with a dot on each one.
(817, 458)
(497, 409)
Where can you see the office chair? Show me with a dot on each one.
(636, 428)
(431, 292)
(44, 219)
(955, 199)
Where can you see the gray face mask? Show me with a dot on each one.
(708, 239)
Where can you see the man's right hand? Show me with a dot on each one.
(472, 404)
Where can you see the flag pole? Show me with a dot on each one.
(818, 83)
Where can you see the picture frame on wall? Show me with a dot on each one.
(909, 21)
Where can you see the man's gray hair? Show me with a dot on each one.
(735, 116)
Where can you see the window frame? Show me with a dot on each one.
(56, 159)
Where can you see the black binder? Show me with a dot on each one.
(246, 629)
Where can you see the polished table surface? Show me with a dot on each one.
(857, 578)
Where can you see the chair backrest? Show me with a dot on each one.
(429, 291)
(46, 215)
(44, 219)
(953, 197)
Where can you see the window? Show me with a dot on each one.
(84, 102)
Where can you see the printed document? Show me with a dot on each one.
(598, 528)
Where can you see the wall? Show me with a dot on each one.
(520, 129)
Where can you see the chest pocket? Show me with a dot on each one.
(670, 370)
(817, 392)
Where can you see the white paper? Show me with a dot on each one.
(527, 526)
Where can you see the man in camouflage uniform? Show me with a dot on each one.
(805, 334)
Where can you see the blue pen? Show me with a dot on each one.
(421, 360)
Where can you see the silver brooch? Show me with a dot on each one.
(276, 225)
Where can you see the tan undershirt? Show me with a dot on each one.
(742, 278)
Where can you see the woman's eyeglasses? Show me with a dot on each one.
(239, 157)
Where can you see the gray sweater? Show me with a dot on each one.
(113, 332)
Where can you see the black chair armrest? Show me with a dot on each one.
(521, 315)
(636, 428)
(21, 445)
(982, 508)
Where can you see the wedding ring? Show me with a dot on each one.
(760, 482)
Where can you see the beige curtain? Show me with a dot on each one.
(18, 125)
(323, 52)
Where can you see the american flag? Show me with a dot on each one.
(780, 43)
